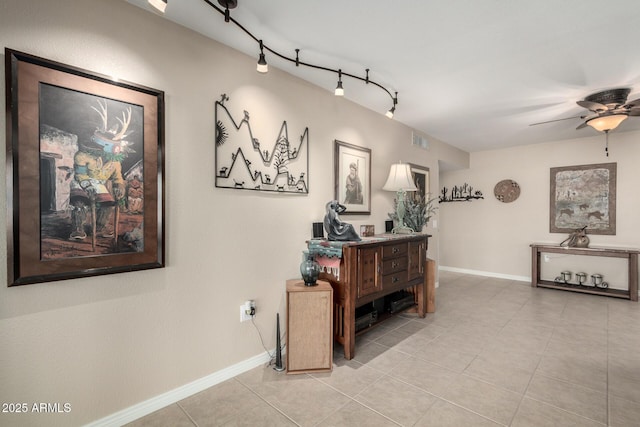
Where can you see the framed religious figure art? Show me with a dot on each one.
(353, 178)
(85, 172)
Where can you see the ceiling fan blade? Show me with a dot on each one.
(582, 125)
(634, 112)
(557, 120)
(593, 106)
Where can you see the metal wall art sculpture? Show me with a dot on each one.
(244, 163)
(463, 193)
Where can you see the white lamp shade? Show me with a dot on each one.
(606, 123)
(400, 178)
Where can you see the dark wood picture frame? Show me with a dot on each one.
(88, 109)
(422, 180)
(583, 195)
(357, 199)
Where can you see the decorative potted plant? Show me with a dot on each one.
(418, 211)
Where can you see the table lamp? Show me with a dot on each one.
(400, 181)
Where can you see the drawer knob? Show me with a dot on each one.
(395, 250)
(394, 264)
(395, 279)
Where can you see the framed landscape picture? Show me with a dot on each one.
(583, 195)
(353, 178)
(85, 173)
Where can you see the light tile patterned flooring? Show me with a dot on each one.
(496, 352)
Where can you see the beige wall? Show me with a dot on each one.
(105, 343)
(494, 237)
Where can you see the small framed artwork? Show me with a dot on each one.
(85, 171)
(583, 195)
(420, 176)
(367, 230)
(353, 178)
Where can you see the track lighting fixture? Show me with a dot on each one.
(262, 62)
(339, 90)
(262, 67)
(161, 5)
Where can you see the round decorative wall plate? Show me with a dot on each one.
(507, 190)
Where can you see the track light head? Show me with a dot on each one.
(339, 90)
(390, 112)
(262, 66)
(160, 5)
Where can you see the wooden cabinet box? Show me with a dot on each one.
(309, 327)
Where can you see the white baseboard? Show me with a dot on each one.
(486, 274)
(148, 406)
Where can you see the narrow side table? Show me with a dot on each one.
(309, 327)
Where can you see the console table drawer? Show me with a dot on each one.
(392, 251)
(394, 279)
(394, 265)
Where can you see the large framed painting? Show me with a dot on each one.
(85, 172)
(353, 178)
(583, 195)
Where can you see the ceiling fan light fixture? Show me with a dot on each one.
(607, 123)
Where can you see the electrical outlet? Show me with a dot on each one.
(247, 310)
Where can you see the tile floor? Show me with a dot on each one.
(496, 352)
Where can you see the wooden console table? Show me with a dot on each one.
(630, 254)
(372, 269)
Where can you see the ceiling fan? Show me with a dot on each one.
(608, 109)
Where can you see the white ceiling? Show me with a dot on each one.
(471, 73)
